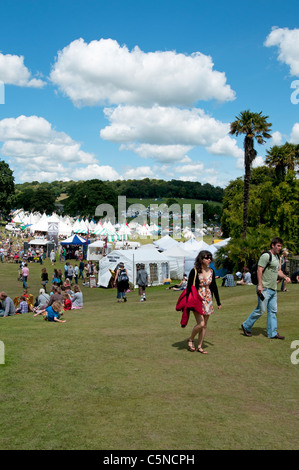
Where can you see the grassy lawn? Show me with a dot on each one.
(119, 376)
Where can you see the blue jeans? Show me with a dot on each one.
(120, 295)
(269, 304)
(25, 282)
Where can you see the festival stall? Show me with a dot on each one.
(156, 265)
(97, 249)
(74, 242)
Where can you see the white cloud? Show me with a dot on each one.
(161, 153)
(225, 146)
(103, 72)
(139, 173)
(295, 134)
(276, 138)
(287, 41)
(190, 169)
(33, 145)
(14, 72)
(162, 126)
(95, 171)
(258, 161)
(167, 134)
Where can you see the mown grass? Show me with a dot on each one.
(119, 376)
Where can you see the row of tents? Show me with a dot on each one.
(163, 259)
(36, 222)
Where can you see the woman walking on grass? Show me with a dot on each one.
(205, 283)
(121, 282)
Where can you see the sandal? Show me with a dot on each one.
(202, 351)
(191, 348)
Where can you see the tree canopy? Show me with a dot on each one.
(83, 198)
(255, 127)
(7, 188)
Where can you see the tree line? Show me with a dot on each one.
(80, 198)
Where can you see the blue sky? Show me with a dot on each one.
(129, 89)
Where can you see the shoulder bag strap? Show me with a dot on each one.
(195, 274)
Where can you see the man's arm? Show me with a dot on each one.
(283, 276)
(260, 271)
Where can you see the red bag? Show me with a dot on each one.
(193, 302)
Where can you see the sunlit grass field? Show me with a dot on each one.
(119, 376)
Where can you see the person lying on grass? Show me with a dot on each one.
(53, 313)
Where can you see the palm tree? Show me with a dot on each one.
(254, 126)
(284, 158)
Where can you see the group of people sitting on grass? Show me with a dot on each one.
(51, 307)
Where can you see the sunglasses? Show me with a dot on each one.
(207, 257)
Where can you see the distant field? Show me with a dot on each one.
(146, 202)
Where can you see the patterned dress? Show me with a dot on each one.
(206, 294)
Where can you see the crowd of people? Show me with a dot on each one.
(60, 290)
(64, 292)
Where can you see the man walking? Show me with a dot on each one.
(267, 272)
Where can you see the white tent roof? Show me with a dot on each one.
(193, 245)
(41, 225)
(176, 252)
(165, 243)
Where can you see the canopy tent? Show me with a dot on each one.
(126, 245)
(74, 240)
(156, 265)
(165, 243)
(193, 245)
(41, 225)
(176, 256)
(39, 241)
(95, 250)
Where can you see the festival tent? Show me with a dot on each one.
(126, 245)
(156, 265)
(94, 249)
(108, 231)
(193, 245)
(176, 256)
(41, 225)
(124, 232)
(74, 240)
(64, 229)
(165, 243)
(18, 218)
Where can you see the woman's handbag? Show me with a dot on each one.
(191, 302)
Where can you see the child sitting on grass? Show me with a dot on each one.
(23, 307)
(54, 312)
(67, 303)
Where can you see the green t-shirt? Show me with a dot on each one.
(269, 274)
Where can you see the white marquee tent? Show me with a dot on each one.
(165, 243)
(176, 256)
(156, 265)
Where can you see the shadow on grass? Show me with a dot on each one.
(256, 332)
(181, 345)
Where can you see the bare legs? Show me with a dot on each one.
(199, 329)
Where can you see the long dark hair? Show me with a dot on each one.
(199, 258)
